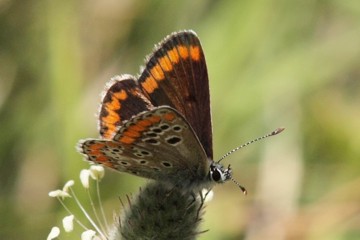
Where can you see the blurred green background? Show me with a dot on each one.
(271, 63)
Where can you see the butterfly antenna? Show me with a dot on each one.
(273, 133)
(241, 187)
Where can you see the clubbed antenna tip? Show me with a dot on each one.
(277, 131)
(243, 189)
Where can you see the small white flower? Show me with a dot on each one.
(67, 185)
(97, 172)
(84, 177)
(68, 223)
(59, 193)
(54, 233)
(88, 235)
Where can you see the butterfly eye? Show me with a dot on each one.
(218, 174)
(215, 175)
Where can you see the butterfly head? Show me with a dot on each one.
(218, 173)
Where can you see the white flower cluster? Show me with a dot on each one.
(96, 172)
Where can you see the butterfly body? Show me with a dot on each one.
(158, 126)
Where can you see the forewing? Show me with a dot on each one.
(176, 75)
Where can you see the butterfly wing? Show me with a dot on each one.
(158, 144)
(176, 75)
(122, 100)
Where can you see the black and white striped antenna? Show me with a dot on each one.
(273, 133)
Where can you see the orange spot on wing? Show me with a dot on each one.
(122, 95)
(127, 140)
(114, 104)
(95, 152)
(112, 144)
(131, 133)
(166, 64)
(101, 158)
(112, 117)
(106, 134)
(110, 130)
(173, 55)
(157, 72)
(109, 123)
(195, 53)
(149, 84)
(135, 131)
(96, 146)
(154, 119)
(183, 51)
(144, 123)
(169, 117)
(137, 128)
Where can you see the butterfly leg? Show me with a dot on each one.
(202, 200)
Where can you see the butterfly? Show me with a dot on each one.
(158, 125)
